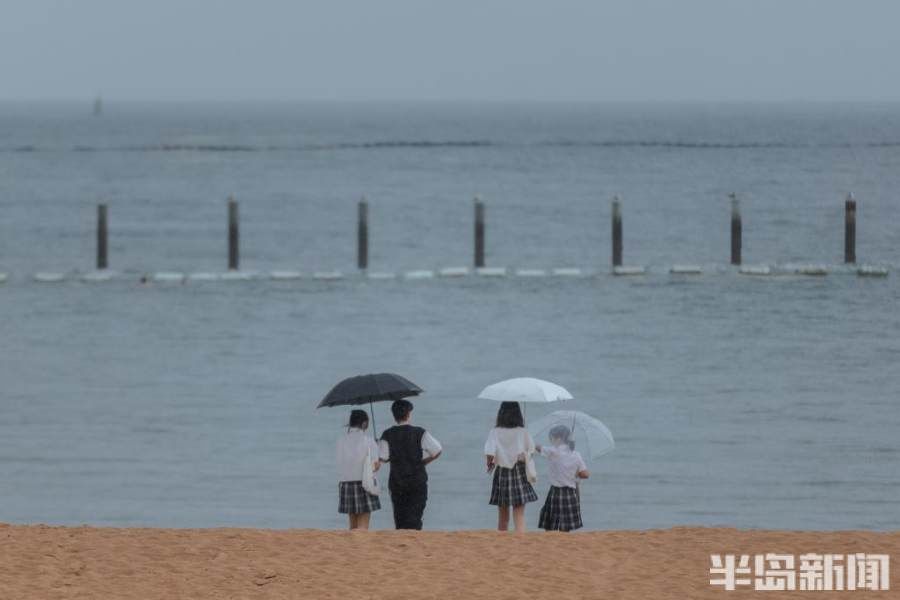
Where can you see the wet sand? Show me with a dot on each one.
(41, 562)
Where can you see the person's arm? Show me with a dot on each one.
(384, 451)
(431, 447)
(582, 472)
(374, 451)
(490, 450)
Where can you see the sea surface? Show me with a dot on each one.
(749, 401)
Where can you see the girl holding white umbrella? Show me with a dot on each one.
(509, 447)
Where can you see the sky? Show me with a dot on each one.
(467, 50)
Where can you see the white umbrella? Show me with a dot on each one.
(592, 438)
(524, 389)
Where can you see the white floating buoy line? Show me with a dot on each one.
(288, 275)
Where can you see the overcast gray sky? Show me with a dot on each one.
(654, 50)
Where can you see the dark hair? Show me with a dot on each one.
(401, 409)
(358, 419)
(510, 415)
(564, 434)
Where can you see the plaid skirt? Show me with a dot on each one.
(561, 510)
(355, 500)
(511, 487)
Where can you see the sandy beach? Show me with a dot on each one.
(41, 562)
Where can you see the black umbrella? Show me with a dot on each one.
(366, 389)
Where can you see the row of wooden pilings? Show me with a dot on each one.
(362, 240)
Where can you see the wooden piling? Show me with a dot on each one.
(102, 246)
(850, 230)
(479, 233)
(616, 233)
(736, 230)
(362, 235)
(233, 235)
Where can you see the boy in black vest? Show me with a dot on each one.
(408, 449)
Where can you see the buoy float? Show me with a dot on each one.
(634, 270)
(203, 277)
(98, 276)
(872, 271)
(491, 271)
(756, 270)
(567, 272)
(381, 275)
(46, 277)
(686, 270)
(239, 275)
(422, 274)
(454, 272)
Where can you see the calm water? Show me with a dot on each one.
(755, 402)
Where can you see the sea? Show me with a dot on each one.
(752, 401)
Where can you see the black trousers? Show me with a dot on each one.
(409, 498)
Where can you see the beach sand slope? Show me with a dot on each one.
(41, 562)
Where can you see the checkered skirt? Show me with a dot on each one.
(511, 487)
(354, 499)
(561, 510)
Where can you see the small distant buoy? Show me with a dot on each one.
(815, 270)
(686, 270)
(634, 270)
(422, 274)
(284, 275)
(381, 275)
(203, 277)
(454, 272)
(3, 277)
(872, 271)
(567, 272)
(328, 275)
(239, 275)
(98, 276)
(168, 277)
(491, 271)
(45, 277)
(531, 273)
(755, 270)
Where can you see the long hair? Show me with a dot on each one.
(358, 419)
(510, 415)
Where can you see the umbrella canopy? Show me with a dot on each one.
(365, 389)
(592, 438)
(524, 389)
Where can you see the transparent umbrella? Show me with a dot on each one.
(592, 438)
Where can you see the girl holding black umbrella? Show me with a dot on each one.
(354, 449)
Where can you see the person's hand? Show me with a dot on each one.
(376, 465)
(522, 457)
(490, 464)
(537, 448)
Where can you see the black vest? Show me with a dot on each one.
(405, 447)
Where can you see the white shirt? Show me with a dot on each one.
(352, 449)
(506, 444)
(430, 446)
(564, 464)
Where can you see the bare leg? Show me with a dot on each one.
(503, 518)
(519, 518)
(362, 520)
(354, 520)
